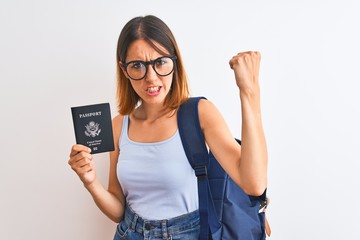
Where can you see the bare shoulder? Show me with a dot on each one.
(205, 104)
(117, 121)
(208, 114)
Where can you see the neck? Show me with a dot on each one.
(151, 113)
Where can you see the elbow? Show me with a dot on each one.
(256, 193)
(255, 190)
(115, 219)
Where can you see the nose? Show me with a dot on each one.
(151, 75)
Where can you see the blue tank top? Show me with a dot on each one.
(156, 178)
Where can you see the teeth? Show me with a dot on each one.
(153, 89)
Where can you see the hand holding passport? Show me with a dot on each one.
(93, 128)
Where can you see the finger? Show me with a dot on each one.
(239, 58)
(231, 64)
(85, 169)
(78, 157)
(257, 61)
(259, 55)
(251, 59)
(78, 148)
(83, 155)
(82, 164)
(235, 60)
(85, 161)
(249, 53)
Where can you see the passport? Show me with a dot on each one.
(93, 128)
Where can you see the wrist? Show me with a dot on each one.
(250, 92)
(250, 95)
(91, 186)
(250, 100)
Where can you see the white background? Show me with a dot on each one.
(59, 54)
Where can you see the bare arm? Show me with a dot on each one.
(253, 162)
(246, 164)
(110, 201)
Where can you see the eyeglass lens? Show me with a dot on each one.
(137, 70)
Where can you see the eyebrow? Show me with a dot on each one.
(151, 60)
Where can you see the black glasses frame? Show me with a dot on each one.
(152, 63)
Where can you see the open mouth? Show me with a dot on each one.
(153, 89)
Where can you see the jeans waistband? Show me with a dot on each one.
(166, 227)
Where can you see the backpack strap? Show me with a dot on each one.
(192, 137)
(197, 153)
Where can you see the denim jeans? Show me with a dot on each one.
(133, 227)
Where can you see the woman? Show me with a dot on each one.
(150, 178)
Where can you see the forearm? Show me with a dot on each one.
(253, 162)
(107, 202)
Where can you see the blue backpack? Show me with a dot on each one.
(226, 211)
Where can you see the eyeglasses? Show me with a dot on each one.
(137, 70)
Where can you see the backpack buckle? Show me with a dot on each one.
(263, 205)
(200, 172)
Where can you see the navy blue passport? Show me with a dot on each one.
(92, 125)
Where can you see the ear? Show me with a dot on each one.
(122, 68)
